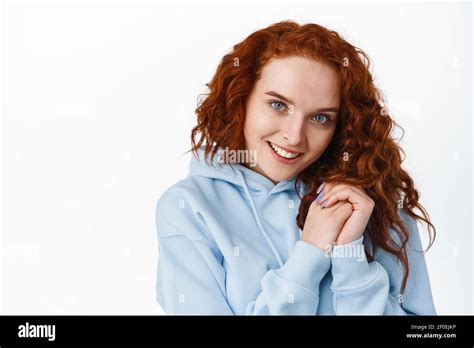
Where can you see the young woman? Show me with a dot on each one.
(295, 202)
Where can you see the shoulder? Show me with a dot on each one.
(177, 211)
(183, 189)
(192, 190)
(414, 240)
(414, 244)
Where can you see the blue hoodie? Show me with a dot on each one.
(229, 244)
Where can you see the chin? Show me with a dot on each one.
(277, 175)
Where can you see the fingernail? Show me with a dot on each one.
(319, 197)
(324, 203)
(320, 188)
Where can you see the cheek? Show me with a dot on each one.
(259, 123)
(250, 131)
(318, 141)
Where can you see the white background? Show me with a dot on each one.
(98, 103)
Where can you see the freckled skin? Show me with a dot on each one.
(311, 86)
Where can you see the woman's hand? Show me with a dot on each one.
(322, 225)
(362, 207)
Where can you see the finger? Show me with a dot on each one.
(315, 205)
(333, 207)
(344, 210)
(328, 189)
(346, 194)
(366, 200)
(344, 206)
(322, 191)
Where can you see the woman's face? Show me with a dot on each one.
(291, 115)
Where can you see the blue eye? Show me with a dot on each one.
(318, 120)
(277, 105)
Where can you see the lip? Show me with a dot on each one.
(283, 159)
(284, 148)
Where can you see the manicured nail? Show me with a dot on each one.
(320, 188)
(324, 203)
(319, 197)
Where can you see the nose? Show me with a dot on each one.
(293, 130)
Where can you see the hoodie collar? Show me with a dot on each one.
(257, 183)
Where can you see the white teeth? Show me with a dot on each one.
(282, 152)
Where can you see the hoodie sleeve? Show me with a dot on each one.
(191, 277)
(360, 287)
(294, 288)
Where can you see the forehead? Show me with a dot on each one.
(306, 81)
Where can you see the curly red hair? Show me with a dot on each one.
(361, 152)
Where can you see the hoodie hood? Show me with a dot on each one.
(238, 175)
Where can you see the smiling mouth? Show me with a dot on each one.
(284, 153)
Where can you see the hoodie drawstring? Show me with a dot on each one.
(257, 218)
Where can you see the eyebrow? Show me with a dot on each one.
(289, 101)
